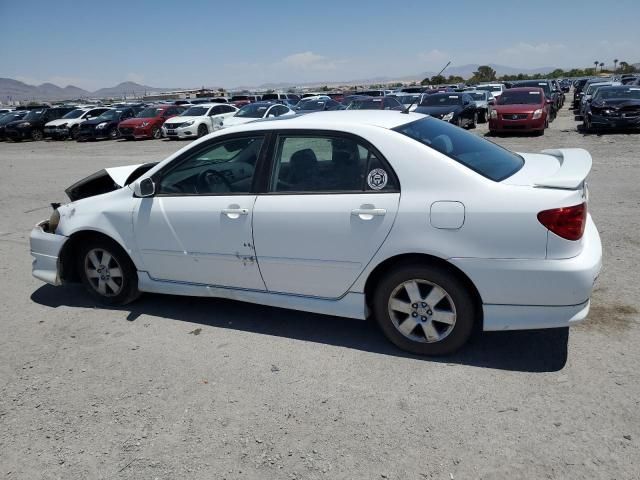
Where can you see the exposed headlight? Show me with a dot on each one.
(144, 124)
(54, 220)
(24, 124)
(448, 117)
(493, 114)
(101, 125)
(188, 124)
(537, 114)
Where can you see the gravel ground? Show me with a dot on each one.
(201, 388)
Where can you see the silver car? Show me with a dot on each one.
(481, 98)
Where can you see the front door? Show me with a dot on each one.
(331, 204)
(197, 227)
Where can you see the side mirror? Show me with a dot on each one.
(144, 188)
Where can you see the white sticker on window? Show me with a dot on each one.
(377, 179)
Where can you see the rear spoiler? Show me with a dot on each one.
(575, 165)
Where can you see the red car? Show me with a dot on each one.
(148, 123)
(520, 110)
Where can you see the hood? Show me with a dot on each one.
(518, 108)
(437, 110)
(618, 103)
(60, 121)
(95, 121)
(107, 180)
(181, 119)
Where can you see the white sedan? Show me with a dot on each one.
(431, 229)
(257, 111)
(198, 120)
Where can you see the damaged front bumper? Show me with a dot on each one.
(45, 250)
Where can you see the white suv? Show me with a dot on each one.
(69, 125)
(198, 120)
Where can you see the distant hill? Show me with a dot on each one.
(16, 90)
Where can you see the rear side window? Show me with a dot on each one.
(478, 154)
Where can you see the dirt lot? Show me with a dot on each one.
(200, 388)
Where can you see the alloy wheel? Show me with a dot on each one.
(103, 272)
(37, 135)
(422, 311)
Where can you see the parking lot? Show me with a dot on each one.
(178, 387)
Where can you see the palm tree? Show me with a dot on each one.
(601, 66)
(595, 68)
(623, 66)
(615, 65)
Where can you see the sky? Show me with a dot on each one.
(248, 43)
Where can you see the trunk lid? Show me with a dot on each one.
(562, 168)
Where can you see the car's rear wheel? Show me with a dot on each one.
(424, 309)
(202, 131)
(37, 134)
(107, 272)
(156, 133)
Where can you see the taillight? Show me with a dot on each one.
(566, 222)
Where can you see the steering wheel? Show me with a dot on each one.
(209, 179)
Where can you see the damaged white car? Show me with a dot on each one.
(431, 229)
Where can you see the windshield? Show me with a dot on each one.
(480, 155)
(253, 110)
(478, 95)
(11, 117)
(110, 115)
(489, 88)
(407, 99)
(617, 93)
(74, 114)
(520, 98)
(34, 114)
(594, 86)
(195, 112)
(310, 105)
(440, 100)
(237, 98)
(150, 112)
(370, 104)
(543, 85)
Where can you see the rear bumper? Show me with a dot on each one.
(45, 250)
(536, 293)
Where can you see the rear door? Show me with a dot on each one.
(330, 203)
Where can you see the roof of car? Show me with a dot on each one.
(525, 89)
(333, 119)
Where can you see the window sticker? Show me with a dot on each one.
(377, 179)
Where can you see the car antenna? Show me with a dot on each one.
(406, 110)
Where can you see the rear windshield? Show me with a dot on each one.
(480, 155)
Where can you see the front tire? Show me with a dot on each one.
(475, 121)
(202, 131)
(424, 309)
(37, 134)
(114, 133)
(107, 272)
(156, 133)
(73, 133)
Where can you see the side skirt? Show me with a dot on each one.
(352, 305)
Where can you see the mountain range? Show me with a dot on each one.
(15, 90)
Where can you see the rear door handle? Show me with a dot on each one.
(235, 212)
(369, 213)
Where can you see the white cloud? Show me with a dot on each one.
(310, 61)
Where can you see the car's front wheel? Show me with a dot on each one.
(202, 131)
(156, 133)
(37, 134)
(114, 133)
(107, 273)
(424, 309)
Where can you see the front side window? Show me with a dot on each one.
(225, 167)
(328, 164)
(480, 155)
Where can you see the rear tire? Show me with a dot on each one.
(439, 308)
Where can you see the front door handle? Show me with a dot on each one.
(235, 212)
(367, 213)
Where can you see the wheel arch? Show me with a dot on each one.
(69, 253)
(421, 259)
